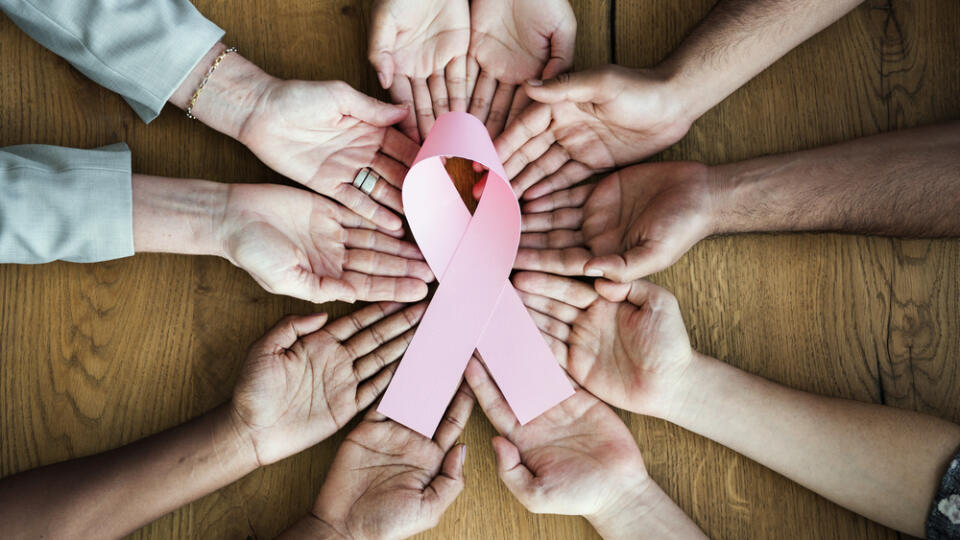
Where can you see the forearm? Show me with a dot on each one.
(904, 183)
(881, 462)
(646, 512)
(174, 215)
(229, 95)
(738, 40)
(111, 494)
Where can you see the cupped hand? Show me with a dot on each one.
(419, 49)
(588, 122)
(512, 41)
(388, 481)
(631, 224)
(632, 353)
(578, 458)
(321, 134)
(304, 380)
(299, 244)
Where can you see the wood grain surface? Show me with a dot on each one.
(96, 356)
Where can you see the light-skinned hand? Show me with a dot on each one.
(305, 379)
(419, 49)
(633, 223)
(512, 41)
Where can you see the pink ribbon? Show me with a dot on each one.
(475, 306)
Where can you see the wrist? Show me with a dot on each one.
(687, 101)
(313, 527)
(624, 516)
(173, 215)
(230, 95)
(236, 448)
(688, 391)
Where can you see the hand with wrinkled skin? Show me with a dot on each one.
(512, 41)
(631, 224)
(419, 49)
(388, 481)
(297, 243)
(632, 353)
(304, 380)
(589, 122)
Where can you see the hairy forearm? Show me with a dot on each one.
(882, 462)
(902, 183)
(110, 495)
(175, 215)
(646, 512)
(738, 40)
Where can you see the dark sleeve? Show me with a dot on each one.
(944, 519)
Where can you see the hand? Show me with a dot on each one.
(419, 49)
(512, 41)
(302, 381)
(632, 353)
(578, 458)
(633, 223)
(296, 243)
(589, 122)
(388, 481)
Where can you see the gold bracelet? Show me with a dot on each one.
(216, 64)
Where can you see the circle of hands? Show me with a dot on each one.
(621, 340)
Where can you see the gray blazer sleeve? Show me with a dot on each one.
(141, 49)
(65, 204)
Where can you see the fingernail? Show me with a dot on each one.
(383, 79)
(463, 455)
(594, 272)
(534, 82)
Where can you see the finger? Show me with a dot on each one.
(378, 288)
(321, 289)
(559, 239)
(483, 96)
(383, 38)
(376, 263)
(490, 398)
(611, 290)
(447, 485)
(550, 326)
(520, 102)
(513, 473)
(640, 292)
(559, 350)
(634, 264)
(564, 218)
(562, 46)
(456, 77)
(581, 87)
(290, 328)
(386, 193)
(561, 311)
(571, 173)
(424, 106)
(566, 290)
(373, 388)
(377, 241)
(366, 207)
(438, 94)
(528, 153)
(368, 109)
(567, 198)
(348, 325)
(533, 121)
(456, 418)
(383, 356)
(550, 162)
(399, 147)
(565, 262)
(373, 336)
(473, 72)
(401, 92)
(500, 108)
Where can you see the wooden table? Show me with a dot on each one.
(95, 356)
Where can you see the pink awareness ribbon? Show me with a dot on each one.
(475, 306)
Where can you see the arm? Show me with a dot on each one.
(882, 462)
(146, 479)
(902, 183)
(738, 40)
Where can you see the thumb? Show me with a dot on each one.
(577, 87)
(514, 474)
(383, 37)
(368, 109)
(636, 263)
(327, 289)
(445, 487)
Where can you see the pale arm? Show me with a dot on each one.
(902, 183)
(882, 462)
(112, 494)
